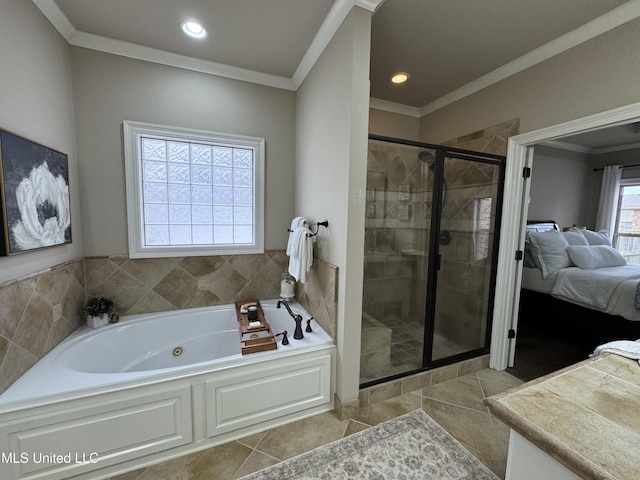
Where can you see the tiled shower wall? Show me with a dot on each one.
(464, 285)
(463, 282)
(396, 231)
(40, 310)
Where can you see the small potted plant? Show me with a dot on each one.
(98, 311)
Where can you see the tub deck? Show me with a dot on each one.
(91, 360)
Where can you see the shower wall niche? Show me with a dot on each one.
(406, 324)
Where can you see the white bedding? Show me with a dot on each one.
(532, 279)
(610, 289)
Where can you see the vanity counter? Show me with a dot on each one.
(586, 417)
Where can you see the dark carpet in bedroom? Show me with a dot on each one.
(553, 334)
(538, 354)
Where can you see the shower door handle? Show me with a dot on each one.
(438, 262)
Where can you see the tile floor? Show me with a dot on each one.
(455, 404)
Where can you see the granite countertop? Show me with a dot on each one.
(586, 416)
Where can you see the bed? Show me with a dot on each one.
(579, 276)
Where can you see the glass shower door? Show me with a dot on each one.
(429, 258)
(398, 218)
(461, 283)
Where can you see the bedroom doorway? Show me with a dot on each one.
(516, 196)
(431, 229)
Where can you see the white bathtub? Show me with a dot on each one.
(122, 387)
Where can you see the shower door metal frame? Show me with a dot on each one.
(443, 152)
(434, 257)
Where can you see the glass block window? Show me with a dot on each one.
(193, 193)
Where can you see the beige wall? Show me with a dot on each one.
(596, 76)
(36, 102)
(109, 89)
(331, 156)
(395, 125)
(563, 188)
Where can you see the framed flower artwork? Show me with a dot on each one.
(34, 192)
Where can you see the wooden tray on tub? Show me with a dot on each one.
(255, 335)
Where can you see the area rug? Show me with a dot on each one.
(410, 447)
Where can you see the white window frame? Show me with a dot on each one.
(625, 182)
(133, 132)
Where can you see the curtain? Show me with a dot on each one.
(608, 203)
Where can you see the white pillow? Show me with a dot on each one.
(595, 256)
(594, 238)
(550, 249)
(575, 237)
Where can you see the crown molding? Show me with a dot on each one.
(140, 52)
(393, 107)
(338, 12)
(371, 5)
(618, 16)
(616, 148)
(58, 19)
(571, 147)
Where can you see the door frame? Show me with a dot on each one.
(514, 215)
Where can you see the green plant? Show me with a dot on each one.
(96, 306)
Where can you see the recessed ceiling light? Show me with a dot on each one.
(400, 77)
(194, 29)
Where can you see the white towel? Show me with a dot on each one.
(625, 348)
(295, 223)
(300, 250)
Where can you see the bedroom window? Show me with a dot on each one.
(482, 227)
(192, 192)
(626, 238)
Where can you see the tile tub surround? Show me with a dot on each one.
(36, 313)
(161, 284)
(319, 296)
(584, 416)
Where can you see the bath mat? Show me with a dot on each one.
(412, 446)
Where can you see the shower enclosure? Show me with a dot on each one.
(431, 236)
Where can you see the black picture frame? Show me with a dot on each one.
(34, 193)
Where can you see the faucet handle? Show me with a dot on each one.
(285, 339)
(308, 329)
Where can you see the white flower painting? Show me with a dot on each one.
(43, 202)
(35, 194)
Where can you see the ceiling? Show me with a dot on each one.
(446, 44)
(604, 140)
(451, 48)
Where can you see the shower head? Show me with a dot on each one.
(427, 157)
